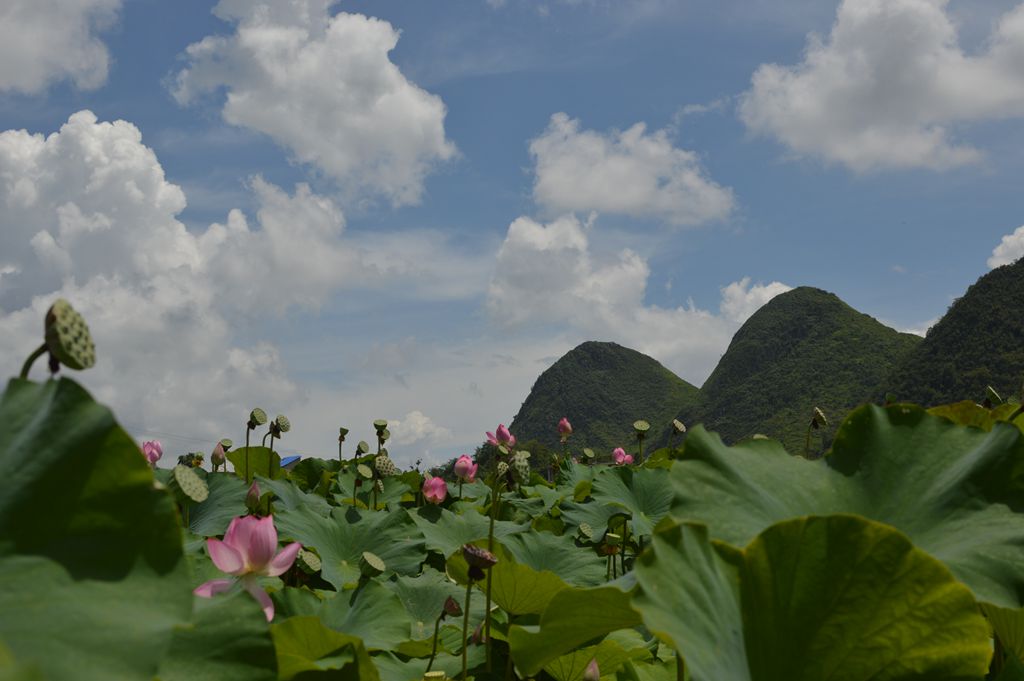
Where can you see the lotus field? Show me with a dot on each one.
(898, 555)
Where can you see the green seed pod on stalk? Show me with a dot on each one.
(185, 480)
(385, 466)
(370, 565)
(257, 417)
(309, 562)
(66, 338)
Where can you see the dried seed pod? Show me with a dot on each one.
(481, 558)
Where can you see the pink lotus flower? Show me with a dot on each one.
(620, 456)
(247, 553)
(435, 490)
(501, 437)
(465, 469)
(152, 451)
(564, 427)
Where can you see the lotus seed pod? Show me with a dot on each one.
(502, 469)
(435, 676)
(281, 425)
(678, 426)
(342, 432)
(68, 338)
(379, 486)
(308, 562)
(586, 531)
(588, 452)
(383, 435)
(370, 565)
(257, 417)
(227, 443)
(818, 419)
(759, 436)
(521, 468)
(362, 447)
(380, 425)
(612, 539)
(641, 427)
(190, 484)
(364, 471)
(385, 466)
(479, 557)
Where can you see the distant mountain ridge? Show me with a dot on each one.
(601, 388)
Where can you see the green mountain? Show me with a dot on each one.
(805, 348)
(978, 343)
(602, 388)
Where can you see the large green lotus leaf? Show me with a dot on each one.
(228, 640)
(372, 612)
(833, 598)
(341, 539)
(659, 670)
(423, 598)
(1008, 625)
(291, 498)
(94, 580)
(261, 461)
(968, 413)
(446, 532)
(226, 502)
(294, 602)
(1013, 670)
(393, 668)
(313, 475)
(573, 617)
(644, 496)
(609, 654)
(518, 589)
(946, 486)
(394, 490)
(306, 647)
(577, 566)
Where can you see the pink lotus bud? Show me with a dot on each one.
(465, 469)
(620, 456)
(252, 498)
(564, 427)
(217, 455)
(504, 437)
(153, 451)
(435, 490)
(592, 672)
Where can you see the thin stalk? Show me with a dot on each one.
(433, 651)
(465, 632)
(625, 538)
(247, 429)
(270, 465)
(680, 667)
(495, 506)
(640, 449)
(36, 354)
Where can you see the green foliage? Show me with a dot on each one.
(976, 344)
(602, 388)
(814, 598)
(804, 349)
(950, 488)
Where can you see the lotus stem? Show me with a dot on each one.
(680, 667)
(625, 538)
(465, 632)
(247, 453)
(433, 651)
(495, 507)
(36, 354)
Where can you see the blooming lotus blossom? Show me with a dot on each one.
(501, 437)
(465, 469)
(564, 427)
(435, 490)
(247, 553)
(153, 450)
(620, 456)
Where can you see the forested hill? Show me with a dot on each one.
(804, 349)
(978, 343)
(602, 388)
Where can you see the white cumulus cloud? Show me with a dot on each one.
(546, 275)
(630, 172)
(888, 86)
(324, 88)
(90, 216)
(44, 41)
(1009, 250)
(417, 428)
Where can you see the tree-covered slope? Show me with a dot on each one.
(805, 348)
(979, 342)
(602, 388)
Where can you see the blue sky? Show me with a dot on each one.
(356, 210)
